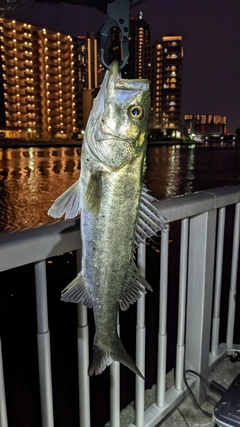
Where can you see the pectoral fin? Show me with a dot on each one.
(69, 203)
(93, 193)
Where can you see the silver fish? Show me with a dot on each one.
(116, 211)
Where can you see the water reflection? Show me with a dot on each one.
(32, 178)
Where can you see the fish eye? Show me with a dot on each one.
(135, 112)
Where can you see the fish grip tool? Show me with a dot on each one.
(117, 15)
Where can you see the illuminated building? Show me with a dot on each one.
(57, 83)
(43, 75)
(90, 79)
(162, 65)
(139, 33)
(20, 88)
(212, 125)
(152, 71)
(171, 59)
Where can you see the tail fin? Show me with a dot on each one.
(104, 357)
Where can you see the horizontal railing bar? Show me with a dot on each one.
(26, 246)
(35, 244)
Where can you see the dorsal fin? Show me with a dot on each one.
(150, 220)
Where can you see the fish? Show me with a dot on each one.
(116, 211)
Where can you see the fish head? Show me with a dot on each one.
(117, 127)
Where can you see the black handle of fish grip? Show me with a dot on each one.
(102, 43)
(103, 37)
(117, 16)
(119, 10)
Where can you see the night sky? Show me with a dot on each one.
(211, 41)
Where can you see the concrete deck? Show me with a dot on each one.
(186, 415)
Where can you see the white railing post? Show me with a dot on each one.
(200, 288)
(115, 389)
(115, 394)
(83, 362)
(140, 342)
(233, 284)
(218, 282)
(182, 305)
(162, 334)
(3, 409)
(43, 338)
(83, 359)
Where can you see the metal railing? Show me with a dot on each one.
(202, 217)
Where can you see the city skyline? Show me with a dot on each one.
(46, 81)
(47, 78)
(211, 40)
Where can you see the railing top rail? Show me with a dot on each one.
(26, 246)
(34, 244)
(189, 205)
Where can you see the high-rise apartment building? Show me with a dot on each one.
(57, 83)
(171, 59)
(152, 68)
(206, 124)
(162, 65)
(19, 78)
(139, 33)
(43, 75)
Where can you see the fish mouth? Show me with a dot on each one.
(99, 136)
(102, 136)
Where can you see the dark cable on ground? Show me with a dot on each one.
(213, 386)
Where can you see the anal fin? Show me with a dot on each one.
(76, 292)
(134, 287)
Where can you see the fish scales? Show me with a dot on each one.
(116, 211)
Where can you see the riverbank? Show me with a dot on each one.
(23, 143)
(19, 143)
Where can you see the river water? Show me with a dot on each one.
(32, 178)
